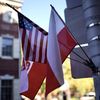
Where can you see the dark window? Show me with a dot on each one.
(7, 47)
(6, 90)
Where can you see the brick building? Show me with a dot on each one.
(9, 50)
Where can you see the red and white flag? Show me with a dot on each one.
(34, 47)
(54, 71)
(36, 75)
(65, 38)
(60, 44)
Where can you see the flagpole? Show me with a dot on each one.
(75, 60)
(89, 63)
(32, 22)
(72, 51)
(86, 64)
(37, 25)
(44, 32)
(71, 33)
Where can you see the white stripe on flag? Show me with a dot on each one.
(20, 33)
(29, 66)
(26, 43)
(38, 46)
(44, 49)
(32, 43)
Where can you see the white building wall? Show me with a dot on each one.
(16, 90)
(16, 52)
(16, 49)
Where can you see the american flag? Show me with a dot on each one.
(33, 39)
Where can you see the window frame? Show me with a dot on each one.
(5, 56)
(7, 17)
(5, 78)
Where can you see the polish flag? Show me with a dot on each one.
(60, 44)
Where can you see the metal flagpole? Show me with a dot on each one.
(88, 62)
(70, 32)
(42, 29)
(44, 32)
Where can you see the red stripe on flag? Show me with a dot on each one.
(28, 46)
(35, 45)
(23, 39)
(41, 46)
(45, 61)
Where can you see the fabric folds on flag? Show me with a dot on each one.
(36, 75)
(34, 42)
(43, 55)
(34, 48)
(58, 34)
(54, 71)
(65, 38)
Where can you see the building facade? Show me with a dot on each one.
(9, 50)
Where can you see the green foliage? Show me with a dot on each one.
(43, 87)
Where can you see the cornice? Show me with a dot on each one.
(14, 3)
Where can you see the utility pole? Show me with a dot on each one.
(86, 13)
(91, 10)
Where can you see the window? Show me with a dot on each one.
(7, 17)
(7, 47)
(6, 89)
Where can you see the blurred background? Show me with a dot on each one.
(73, 89)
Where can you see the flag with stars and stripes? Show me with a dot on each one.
(34, 63)
(34, 40)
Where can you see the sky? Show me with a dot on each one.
(39, 10)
